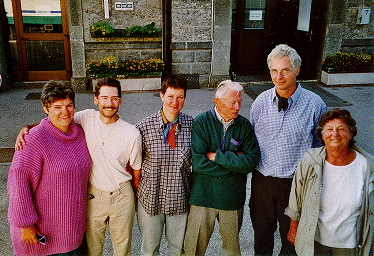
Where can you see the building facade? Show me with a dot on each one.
(204, 40)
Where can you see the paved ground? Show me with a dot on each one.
(15, 112)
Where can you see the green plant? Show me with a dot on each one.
(347, 62)
(147, 30)
(110, 66)
(101, 28)
(105, 67)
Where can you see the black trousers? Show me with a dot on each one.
(269, 199)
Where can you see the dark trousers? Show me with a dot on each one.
(322, 250)
(269, 199)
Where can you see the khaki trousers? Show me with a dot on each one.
(200, 226)
(115, 209)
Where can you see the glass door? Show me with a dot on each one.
(39, 39)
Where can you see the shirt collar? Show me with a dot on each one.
(219, 117)
(294, 97)
(165, 120)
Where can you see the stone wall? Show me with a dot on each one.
(84, 48)
(201, 39)
(145, 12)
(192, 38)
(343, 33)
(201, 36)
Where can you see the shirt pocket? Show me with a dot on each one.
(235, 145)
(300, 138)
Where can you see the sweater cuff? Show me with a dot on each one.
(292, 214)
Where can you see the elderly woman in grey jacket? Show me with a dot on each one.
(332, 193)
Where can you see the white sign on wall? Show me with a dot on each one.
(255, 15)
(128, 6)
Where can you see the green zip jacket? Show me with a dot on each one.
(221, 184)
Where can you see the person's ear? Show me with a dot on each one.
(46, 110)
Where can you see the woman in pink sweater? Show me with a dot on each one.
(47, 180)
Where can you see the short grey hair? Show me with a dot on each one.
(282, 50)
(225, 85)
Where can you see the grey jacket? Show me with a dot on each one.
(305, 200)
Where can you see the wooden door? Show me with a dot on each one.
(250, 26)
(39, 40)
(299, 23)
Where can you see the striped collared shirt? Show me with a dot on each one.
(285, 136)
(225, 124)
(165, 181)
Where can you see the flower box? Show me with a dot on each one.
(137, 83)
(347, 78)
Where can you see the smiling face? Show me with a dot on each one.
(229, 104)
(108, 102)
(336, 134)
(60, 113)
(173, 100)
(284, 76)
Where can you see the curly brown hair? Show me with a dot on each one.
(343, 115)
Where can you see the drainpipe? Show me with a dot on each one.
(166, 37)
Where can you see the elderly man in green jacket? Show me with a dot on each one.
(224, 150)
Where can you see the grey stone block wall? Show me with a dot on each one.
(201, 36)
(145, 12)
(84, 48)
(201, 39)
(343, 34)
(123, 49)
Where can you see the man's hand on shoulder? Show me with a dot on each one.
(20, 141)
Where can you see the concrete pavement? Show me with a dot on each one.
(15, 112)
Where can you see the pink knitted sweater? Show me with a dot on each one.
(47, 185)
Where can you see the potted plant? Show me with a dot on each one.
(147, 31)
(347, 68)
(104, 30)
(101, 29)
(133, 74)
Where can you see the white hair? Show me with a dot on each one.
(282, 50)
(225, 85)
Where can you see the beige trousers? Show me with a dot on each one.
(200, 226)
(115, 209)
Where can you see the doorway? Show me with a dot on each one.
(38, 35)
(259, 25)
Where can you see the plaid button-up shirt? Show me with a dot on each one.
(165, 183)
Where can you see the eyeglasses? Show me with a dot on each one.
(283, 72)
(112, 99)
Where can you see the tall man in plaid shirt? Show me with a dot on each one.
(165, 183)
(285, 119)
